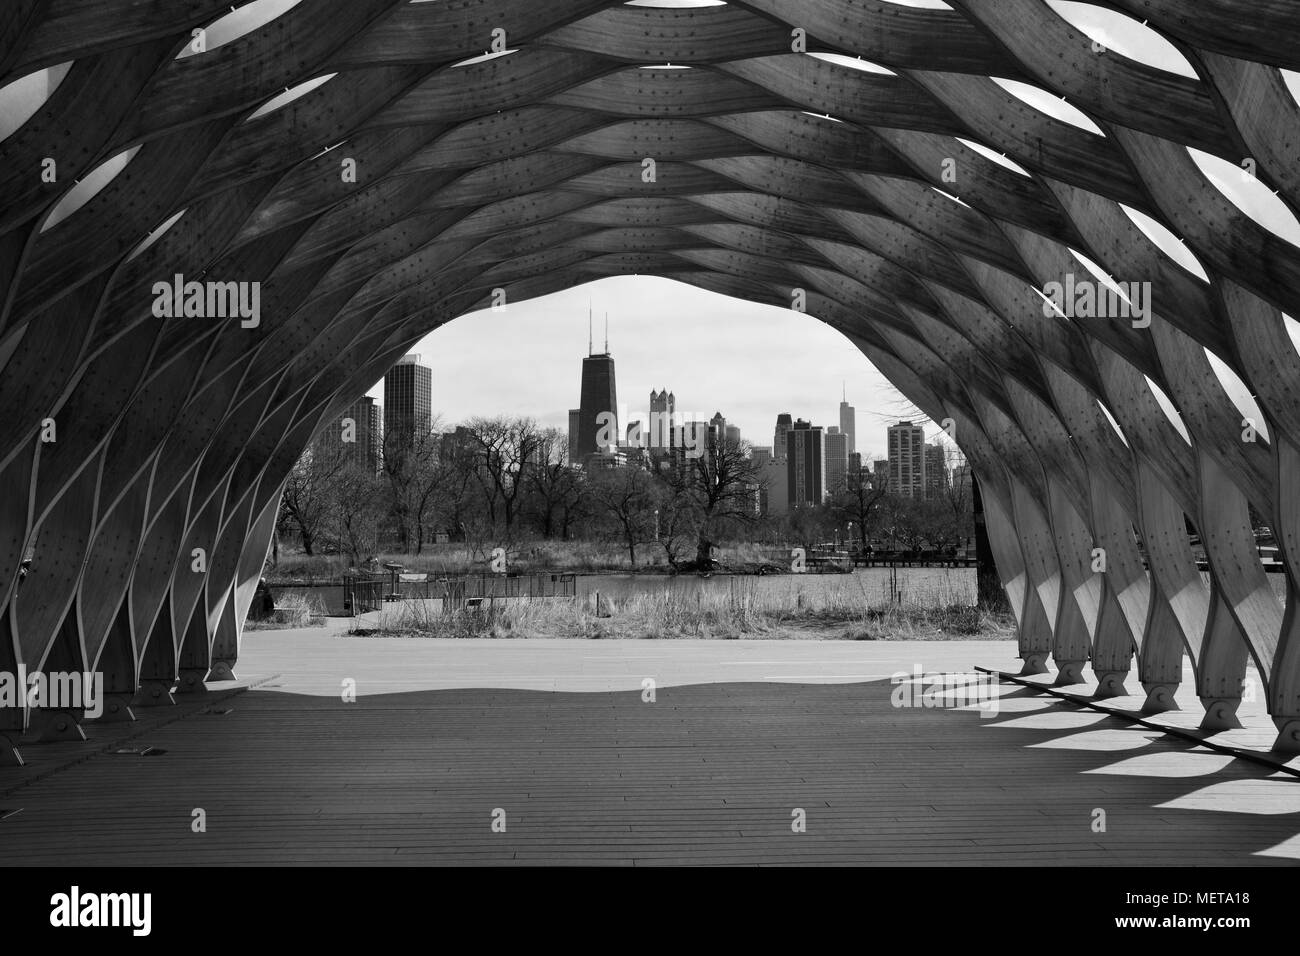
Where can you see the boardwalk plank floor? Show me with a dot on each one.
(442, 735)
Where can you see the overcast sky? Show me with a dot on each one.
(713, 352)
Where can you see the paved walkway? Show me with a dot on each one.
(559, 740)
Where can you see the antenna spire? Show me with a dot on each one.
(606, 333)
(589, 327)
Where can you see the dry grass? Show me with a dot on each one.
(291, 610)
(541, 556)
(847, 612)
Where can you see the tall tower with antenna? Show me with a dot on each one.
(597, 418)
(848, 420)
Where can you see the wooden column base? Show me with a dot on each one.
(53, 726)
(1160, 698)
(1221, 713)
(154, 693)
(1035, 663)
(191, 681)
(1288, 736)
(117, 709)
(1110, 684)
(1069, 672)
(222, 670)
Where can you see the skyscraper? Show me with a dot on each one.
(837, 460)
(805, 464)
(733, 434)
(778, 439)
(356, 434)
(906, 443)
(598, 403)
(408, 401)
(663, 416)
(573, 436)
(936, 471)
(849, 424)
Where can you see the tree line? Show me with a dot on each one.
(499, 482)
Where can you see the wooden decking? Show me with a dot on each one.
(557, 735)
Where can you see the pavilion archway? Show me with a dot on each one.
(364, 171)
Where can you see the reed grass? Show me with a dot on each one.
(847, 611)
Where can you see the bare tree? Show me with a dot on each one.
(859, 501)
(716, 486)
(504, 449)
(415, 473)
(555, 489)
(308, 493)
(357, 508)
(626, 497)
(959, 496)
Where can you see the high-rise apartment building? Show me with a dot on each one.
(775, 482)
(837, 460)
(805, 464)
(906, 444)
(408, 401)
(357, 434)
(936, 471)
(783, 425)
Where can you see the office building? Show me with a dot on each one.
(408, 402)
(805, 464)
(357, 434)
(663, 418)
(936, 471)
(837, 460)
(774, 486)
(598, 404)
(778, 439)
(849, 424)
(907, 460)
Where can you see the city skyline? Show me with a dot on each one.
(661, 337)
